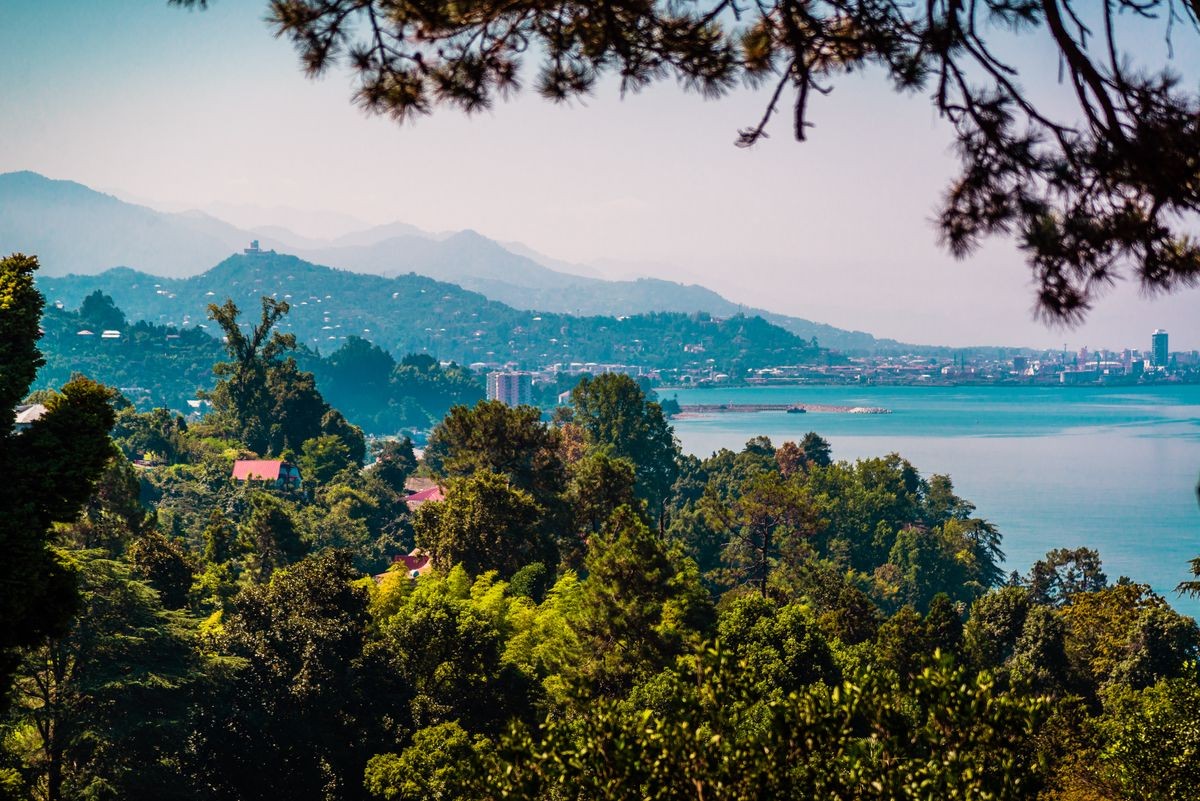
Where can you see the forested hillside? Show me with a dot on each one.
(585, 613)
(412, 314)
(162, 366)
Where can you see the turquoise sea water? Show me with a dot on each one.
(1112, 469)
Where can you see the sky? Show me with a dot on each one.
(178, 109)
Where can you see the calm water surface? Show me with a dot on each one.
(1112, 469)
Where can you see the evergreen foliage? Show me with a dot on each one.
(49, 472)
(792, 627)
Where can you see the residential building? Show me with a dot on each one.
(27, 415)
(415, 500)
(510, 388)
(284, 475)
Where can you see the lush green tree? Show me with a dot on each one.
(102, 711)
(356, 370)
(770, 519)
(49, 471)
(843, 610)
(780, 647)
(265, 400)
(638, 605)
(903, 643)
(1150, 743)
(394, 462)
(347, 517)
(598, 486)
(322, 458)
(944, 624)
(220, 538)
(269, 535)
(509, 441)
(243, 397)
(435, 767)
(295, 405)
(114, 513)
(1019, 640)
(816, 450)
(1127, 634)
(100, 311)
(157, 434)
(291, 721)
(954, 736)
(531, 581)
(165, 565)
(485, 523)
(446, 642)
(334, 423)
(1064, 572)
(615, 413)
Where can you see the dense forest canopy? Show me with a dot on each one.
(580, 610)
(157, 366)
(583, 611)
(414, 314)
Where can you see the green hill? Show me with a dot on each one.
(413, 314)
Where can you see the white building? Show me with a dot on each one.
(511, 389)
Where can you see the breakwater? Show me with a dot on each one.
(793, 408)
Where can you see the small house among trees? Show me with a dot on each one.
(28, 414)
(284, 475)
(434, 493)
(417, 563)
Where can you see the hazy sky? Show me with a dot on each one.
(177, 109)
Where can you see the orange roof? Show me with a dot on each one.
(257, 469)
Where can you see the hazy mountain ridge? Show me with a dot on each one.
(415, 314)
(76, 230)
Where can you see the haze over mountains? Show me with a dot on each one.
(76, 230)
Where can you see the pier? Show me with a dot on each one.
(740, 408)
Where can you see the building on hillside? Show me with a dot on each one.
(27, 415)
(417, 563)
(413, 564)
(511, 389)
(253, 249)
(1159, 349)
(419, 497)
(283, 475)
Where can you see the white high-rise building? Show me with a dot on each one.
(511, 389)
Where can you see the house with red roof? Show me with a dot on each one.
(416, 563)
(434, 493)
(281, 474)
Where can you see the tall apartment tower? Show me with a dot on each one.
(1158, 348)
(511, 389)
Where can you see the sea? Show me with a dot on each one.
(1114, 469)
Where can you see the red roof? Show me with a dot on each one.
(257, 469)
(413, 561)
(431, 494)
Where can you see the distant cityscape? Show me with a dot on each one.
(1157, 364)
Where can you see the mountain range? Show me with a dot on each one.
(414, 314)
(77, 230)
